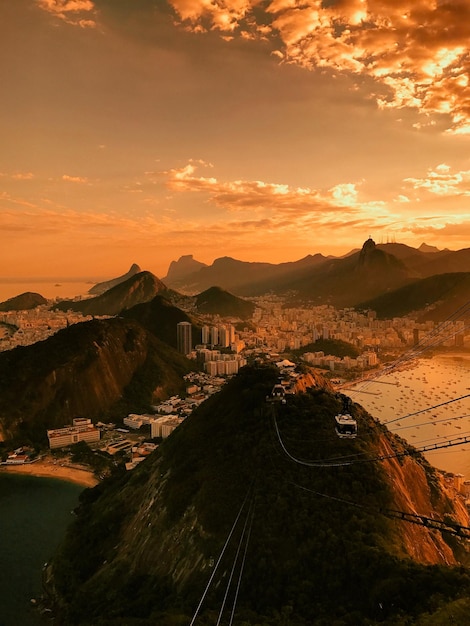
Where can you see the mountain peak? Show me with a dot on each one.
(184, 266)
(100, 288)
(424, 247)
(368, 245)
(368, 252)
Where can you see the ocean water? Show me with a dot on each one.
(48, 288)
(424, 384)
(34, 513)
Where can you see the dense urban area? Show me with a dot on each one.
(273, 332)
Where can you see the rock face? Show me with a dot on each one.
(84, 370)
(23, 302)
(183, 267)
(100, 288)
(240, 467)
(424, 247)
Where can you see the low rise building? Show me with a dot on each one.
(81, 429)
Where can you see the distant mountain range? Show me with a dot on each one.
(354, 280)
(367, 278)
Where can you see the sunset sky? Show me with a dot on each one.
(266, 130)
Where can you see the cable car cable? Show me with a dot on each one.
(235, 561)
(242, 568)
(220, 556)
(414, 518)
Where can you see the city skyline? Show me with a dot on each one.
(261, 130)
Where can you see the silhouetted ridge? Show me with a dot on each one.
(23, 302)
(218, 301)
(161, 317)
(183, 267)
(100, 288)
(433, 298)
(139, 288)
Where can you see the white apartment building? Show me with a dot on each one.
(82, 429)
(164, 426)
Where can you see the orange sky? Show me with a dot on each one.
(138, 131)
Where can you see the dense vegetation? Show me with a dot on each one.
(145, 544)
(218, 301)
(160, 317)
(333, 347)
(117, 362)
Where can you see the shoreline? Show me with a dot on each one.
(48, 469)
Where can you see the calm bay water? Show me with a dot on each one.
(34, 513)
(426, 383)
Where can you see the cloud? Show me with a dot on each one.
(74, 179)
(74, 12)
(224, 15)
(260, 196)
(416, 52)
(444, 229)
(17, 175)
(442, 182)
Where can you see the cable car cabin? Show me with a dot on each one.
(346, 426)
(278, 394)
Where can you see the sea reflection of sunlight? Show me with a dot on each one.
(417, 388)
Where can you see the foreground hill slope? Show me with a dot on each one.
(243, 481)
(141, 287)
(89, 369)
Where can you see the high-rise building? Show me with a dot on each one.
(224, 336)
(184, 337)
(206, 334)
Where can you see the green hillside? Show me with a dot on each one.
(92, 369)
(222, 490)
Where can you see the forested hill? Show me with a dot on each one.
(243, 480)
(122, 367)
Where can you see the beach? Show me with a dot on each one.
(46, 468)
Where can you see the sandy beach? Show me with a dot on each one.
(48, 469)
